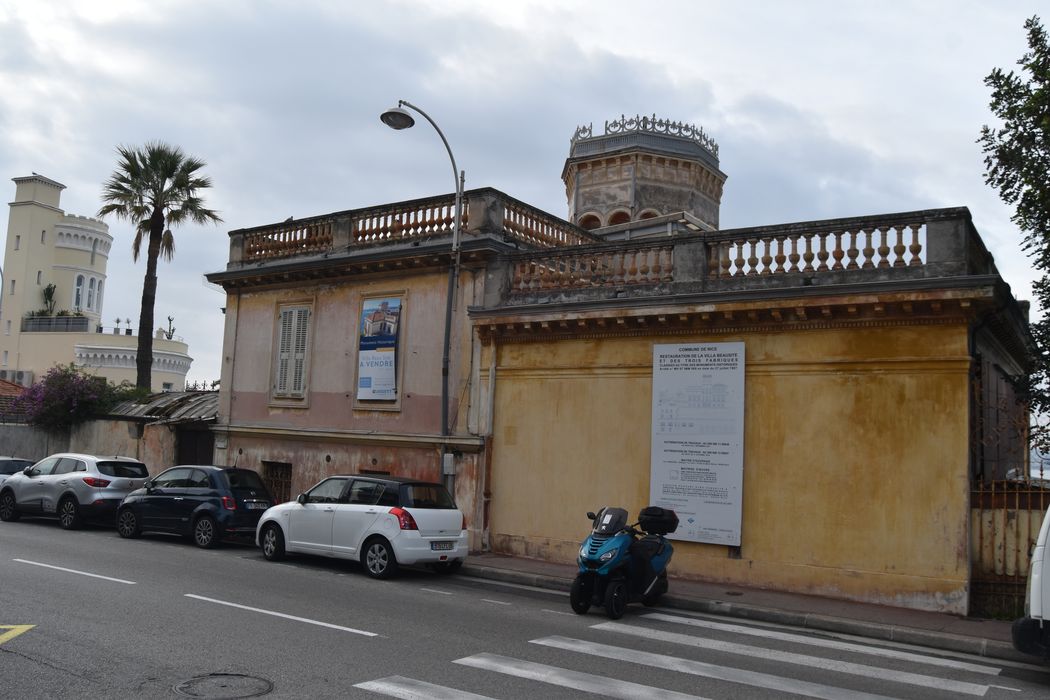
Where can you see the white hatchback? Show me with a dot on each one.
(383, 522)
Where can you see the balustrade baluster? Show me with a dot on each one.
(632, 266)
(752, 260)
(618, 270)
(657, 265)
(852, 251)
(794, 257)
(643, 270)
(779, 242)
(898, 248)
(884, 249)
(869, 251)
(915, 248)
(668, 264)
(808, 257)
(767, 256)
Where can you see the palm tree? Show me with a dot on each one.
(154, 188)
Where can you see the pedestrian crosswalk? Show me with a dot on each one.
(667, 650)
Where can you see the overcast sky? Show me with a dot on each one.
(820, 109)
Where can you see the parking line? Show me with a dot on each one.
(74, 571)
(283, 615)
(434, 590)
(494, 602)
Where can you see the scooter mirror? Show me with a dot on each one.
(590, 515)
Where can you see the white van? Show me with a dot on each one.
(1031, 633)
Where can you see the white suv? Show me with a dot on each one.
(382, 522)
(72, 487)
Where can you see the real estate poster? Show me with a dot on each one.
(377, 349)
(697, 460)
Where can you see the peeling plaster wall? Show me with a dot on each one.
(855, 458)
(156, 447)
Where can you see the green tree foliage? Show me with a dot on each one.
(66, 396)
(155, 188)
(1017, 162)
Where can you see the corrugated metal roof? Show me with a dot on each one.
(173, 406)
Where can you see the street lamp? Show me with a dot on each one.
(399, 118)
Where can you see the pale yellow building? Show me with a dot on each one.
(45, 246)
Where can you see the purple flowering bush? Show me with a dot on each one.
(66, 396)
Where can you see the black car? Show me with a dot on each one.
(205, 503)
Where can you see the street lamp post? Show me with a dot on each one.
(398, 118)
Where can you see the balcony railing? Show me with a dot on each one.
(484, 211)
(932, 243)
(54, 324)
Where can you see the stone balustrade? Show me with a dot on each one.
(484, 211)
(932, 243)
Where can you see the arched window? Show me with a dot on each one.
(590, 222)
(98, 298)
(94, 247)
(91, 294)
(620, 217)
(648, 214)
(78, 293)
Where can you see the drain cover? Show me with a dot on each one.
(224, 685)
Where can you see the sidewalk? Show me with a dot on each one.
(942, 631)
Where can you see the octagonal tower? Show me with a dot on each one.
(642, 168)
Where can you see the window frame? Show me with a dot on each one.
(299, 342)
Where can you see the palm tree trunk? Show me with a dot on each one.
(144, 357)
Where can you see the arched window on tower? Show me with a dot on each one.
(619, 217)
(647, 214)
(98, 298)
(78, 293)
(91, 294)
(590, 222)
(94, 247)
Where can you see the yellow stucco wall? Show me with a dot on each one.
(855, 443)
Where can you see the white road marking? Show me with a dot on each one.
(558, 612)
(411, 689)
(699, 668)
(521, 586)
(74, 571)
(854, 669)
(494, 602)
(827, 643)
(588, 683)
(283, 615)
(434, 590)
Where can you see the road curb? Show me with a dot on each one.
(943, 641)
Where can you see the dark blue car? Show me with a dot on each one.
(205, 503)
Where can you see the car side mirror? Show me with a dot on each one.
(28, 471)
(148, 486)
(302, 499)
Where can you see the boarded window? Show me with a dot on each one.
(293, 334)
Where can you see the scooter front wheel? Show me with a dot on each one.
(615, 599)
(580, 594)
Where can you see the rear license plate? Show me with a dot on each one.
(256, 506)
(442, 546)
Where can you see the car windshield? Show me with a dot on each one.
(13, 466)
(126, 470)
(245, 480)
(426, 496)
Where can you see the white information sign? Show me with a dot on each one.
(697, 461)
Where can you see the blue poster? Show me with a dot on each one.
(377, 350)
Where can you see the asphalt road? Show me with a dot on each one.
(159, 618)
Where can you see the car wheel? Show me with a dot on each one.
(128, 524)
(68, 513)
(8, 508)
(205, 532)
(448, 567)
(379, 559)
(615, 599)
(272, 543)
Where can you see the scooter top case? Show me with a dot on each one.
(658, 521)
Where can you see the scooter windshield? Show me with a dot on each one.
(609, 521)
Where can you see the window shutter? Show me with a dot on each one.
(293, 332)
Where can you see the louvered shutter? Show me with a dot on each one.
(294, 326)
